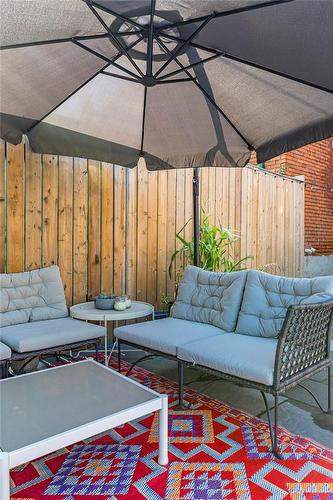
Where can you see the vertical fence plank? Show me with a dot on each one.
(287, 264)
(162, 213)
(132, 231)
(232, 207)
(171, 231)
(188, 204)
(280, 228)
(119, 255)
(33, 217)
(247, 223)
(80, 231)
(244, 215)
(255, 207)
(2, 206)
(212, 194)
(94, 228)
(65, 231)
(218, 194)
(225, 197)
(238, 204)
(180, 220)
(142, 231)
(50, 210)
(152, 238)
(301, 234)
(107, 224)
(15, 208)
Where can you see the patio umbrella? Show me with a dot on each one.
(183, 83)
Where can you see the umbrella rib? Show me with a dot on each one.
(226, 55)
(211, 100)
(116, 14)
(91, 51)
(238, 10)
(177, 80)
(112, 36)
(143, 121)
(79, 88)
(122, 77)
(57, 40)
(184, 44)
(104, 58)
(176, 72)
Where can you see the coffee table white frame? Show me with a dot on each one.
(88, 312)
(9, 460)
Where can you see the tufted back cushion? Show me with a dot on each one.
(211, 298)
(267, 298)
(31, 296)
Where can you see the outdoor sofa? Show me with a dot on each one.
(259, 330)
(34, 318)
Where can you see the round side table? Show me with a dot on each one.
(88, 312)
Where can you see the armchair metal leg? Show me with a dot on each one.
(275, 447)
(96, 351)
(180, 383)
(273, 429)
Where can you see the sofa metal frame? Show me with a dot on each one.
(56, 350)
(303, 350)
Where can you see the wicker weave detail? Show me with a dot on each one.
(304, 340)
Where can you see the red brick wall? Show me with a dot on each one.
(315, 163)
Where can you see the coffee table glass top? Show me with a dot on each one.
(46, 403)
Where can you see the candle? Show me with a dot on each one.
(120, 305)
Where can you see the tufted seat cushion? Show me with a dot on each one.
(267, 298)
(5, 352)
(249, 358)
(35, 336)
(166, 335)
(211, 298)
(31, 296)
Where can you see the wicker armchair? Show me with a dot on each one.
(303, 350)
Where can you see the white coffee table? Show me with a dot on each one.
(88, 312)
(44, 411)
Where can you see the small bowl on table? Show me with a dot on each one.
(105, 301)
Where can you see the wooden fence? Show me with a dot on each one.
(113, 229)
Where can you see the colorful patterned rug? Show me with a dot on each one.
(215, 452)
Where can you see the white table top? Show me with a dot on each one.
(39, 405)
(88, 311)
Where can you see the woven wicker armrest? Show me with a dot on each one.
(304, 343)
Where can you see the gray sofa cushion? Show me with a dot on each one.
(212, 298)
(166, 335)
(38, 335)
(5, 352)
(249, 358)
(267, 298)
(31, 296)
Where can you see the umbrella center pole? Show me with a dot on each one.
(196, 216)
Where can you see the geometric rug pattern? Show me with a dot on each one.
(215, 452)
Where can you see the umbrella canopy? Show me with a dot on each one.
(183, 83)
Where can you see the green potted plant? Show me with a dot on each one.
(216, 245)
